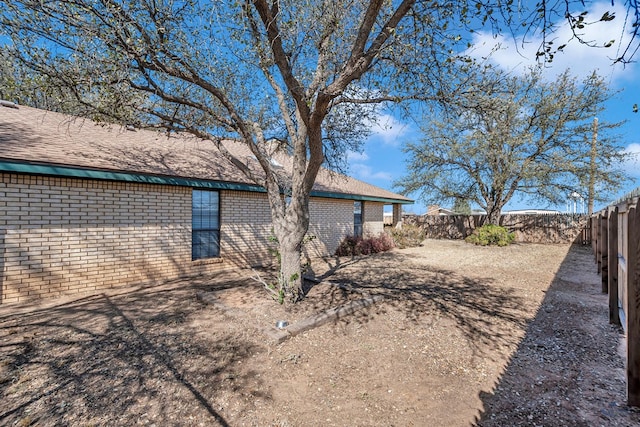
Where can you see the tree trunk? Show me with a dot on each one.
(290, 277)
(493, 215)
(290, 231)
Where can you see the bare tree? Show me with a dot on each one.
(299, 76)
(517, 135)
(275, 75)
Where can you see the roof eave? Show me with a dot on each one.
(334, 195)
(13, 166)
(121, 176)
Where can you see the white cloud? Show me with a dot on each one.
(516, 56)
(353, 156)
(366, 173)
(389, 129)
(632, 166)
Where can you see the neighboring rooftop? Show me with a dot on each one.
(532, 211)
(49, 143)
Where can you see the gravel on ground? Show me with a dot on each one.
(459, 335)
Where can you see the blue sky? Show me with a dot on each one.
(383, 161)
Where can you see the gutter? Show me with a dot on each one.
(9, 166)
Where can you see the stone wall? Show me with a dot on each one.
(543, 228)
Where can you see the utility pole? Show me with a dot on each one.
(592, 171)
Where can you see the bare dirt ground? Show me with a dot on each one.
(465, 336)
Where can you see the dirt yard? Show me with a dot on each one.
(464, 336)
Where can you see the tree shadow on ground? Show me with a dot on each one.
(566, 370)
(141, 356)
(319, 294)
(483, 311)
(122, 359)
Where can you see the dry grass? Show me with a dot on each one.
(465, 335)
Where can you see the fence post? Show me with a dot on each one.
(614, 315)
(599, 242)
(632, 313)
(586, 232)
(592, 230)
(604, 251)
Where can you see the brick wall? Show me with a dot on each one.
(64, 236)
(61, 236)
(245, 228)
(373, 219)
(330, 221)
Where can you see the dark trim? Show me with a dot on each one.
(218, 230)
(74, 172)
(71, 172)
(331, 195)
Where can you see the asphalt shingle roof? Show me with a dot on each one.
(42, 137)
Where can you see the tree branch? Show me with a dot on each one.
(280, 57)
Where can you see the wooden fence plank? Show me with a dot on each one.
(614, 315)
(604, 251)
(592, 229)
(632, 310)
(586, 233)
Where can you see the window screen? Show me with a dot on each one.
(357, 219)
(205, 224)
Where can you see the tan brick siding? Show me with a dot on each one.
(373, 219)
(330, 221)
(245, 228)
(61, 236)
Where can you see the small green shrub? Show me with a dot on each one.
(408, 236)
(354, 246)
(491, 235)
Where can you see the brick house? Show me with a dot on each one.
(85, 207)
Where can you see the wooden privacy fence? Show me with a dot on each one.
(615, 239)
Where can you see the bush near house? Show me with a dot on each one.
(355, 245)
(491, 235)
(408, 236)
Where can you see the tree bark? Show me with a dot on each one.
(493, 214)
(290, 240)
(291, 272)
(290, 230)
